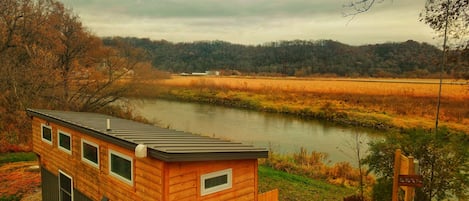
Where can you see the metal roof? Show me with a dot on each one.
(163, 144)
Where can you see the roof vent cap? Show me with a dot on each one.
(141, 151)
(108, 124)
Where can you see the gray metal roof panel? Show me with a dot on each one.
(164, 144)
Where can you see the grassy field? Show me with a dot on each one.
(379, 104)
(399, 87)
(298, 188)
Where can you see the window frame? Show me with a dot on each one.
(58, 141)
(96, 165)
(60, 186)
(42, 133)
(228, 185)
(116, 175)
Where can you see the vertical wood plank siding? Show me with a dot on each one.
(78, 196)
(50, 185)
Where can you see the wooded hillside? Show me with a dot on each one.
(299, 58)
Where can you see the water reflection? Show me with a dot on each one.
(282, 134)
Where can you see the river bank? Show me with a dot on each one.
(386, 107)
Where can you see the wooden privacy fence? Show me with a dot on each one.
(268, 196)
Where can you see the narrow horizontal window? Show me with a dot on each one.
(64, 141)
(46, 133)
(121, 166)
(90, 153)
(215, 182)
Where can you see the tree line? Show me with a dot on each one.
(298, 58)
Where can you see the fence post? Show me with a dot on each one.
(395, 181)
(409, 194)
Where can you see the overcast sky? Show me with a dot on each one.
(253, 21)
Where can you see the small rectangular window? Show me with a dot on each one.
(65, 187)
(64, 141)
(46, 133)
(215, 182)
(90, 153)
(121, 166)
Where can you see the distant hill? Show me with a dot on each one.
(294, 58)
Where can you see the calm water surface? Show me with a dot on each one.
(278, 132)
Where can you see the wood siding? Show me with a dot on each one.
(50, 188)
(184, 180)
(152, 179)
(91, 181)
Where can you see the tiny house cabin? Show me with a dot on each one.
(89, 156)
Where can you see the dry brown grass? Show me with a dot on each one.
(315, 165)
(20, 179)
(329, 86)
(407, 103)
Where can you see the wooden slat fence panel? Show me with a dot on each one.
(268, 196)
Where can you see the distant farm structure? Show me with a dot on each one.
(207, 73)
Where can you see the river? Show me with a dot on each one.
(282, 134)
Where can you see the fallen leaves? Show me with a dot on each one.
(19, 179)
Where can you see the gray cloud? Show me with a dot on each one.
(252, 21)
(206, 8)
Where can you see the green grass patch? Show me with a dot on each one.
(10, 198)
(16, 157)
(295, 187)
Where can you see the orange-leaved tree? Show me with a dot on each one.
(48, 59)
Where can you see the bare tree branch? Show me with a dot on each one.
(355, 7)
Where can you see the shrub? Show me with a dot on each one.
(313, 166)
(443, 161)
(354, 198)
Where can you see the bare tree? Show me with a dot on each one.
(355, 7)
(434, 14)
(356, 150)
(114, 77)
(450, 18)
(49, 60)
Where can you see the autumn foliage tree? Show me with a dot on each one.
(48, 59)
